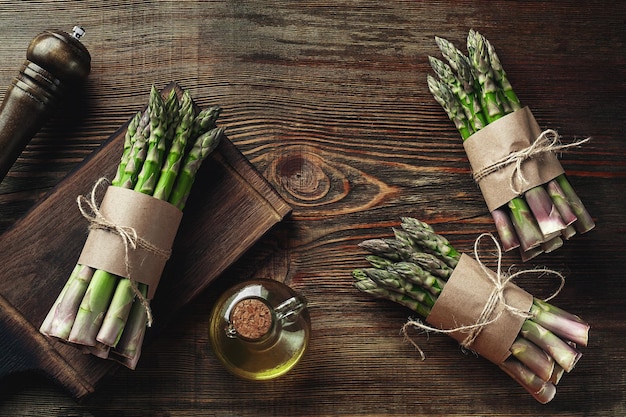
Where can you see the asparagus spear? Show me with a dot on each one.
(452, 105)
(365, 284)
(172, 110)
(499, 73)
(92, 308)
(560, 202)
(134, 161)
(542, 391)
(59, 320)
(412, 272)
(390, 249)
(525, 224)
(390, 280)
(148, 175)
(117, 312)
(205, 120)
(505, 229)
(172, 162)
(491, 96)
(538, 361)
(584, 221)
(560, 350)
(203, 146)
(560, 322)
(128, 347)
(463, 88)
(378, 261)
(129, 138)
(425, 237)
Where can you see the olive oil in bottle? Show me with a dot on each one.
(259, 329)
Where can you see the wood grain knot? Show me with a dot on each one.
(303, 177)
(307, 178)
(323, 182)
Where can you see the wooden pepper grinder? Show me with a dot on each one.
(55, 61)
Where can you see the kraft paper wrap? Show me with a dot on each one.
(462, 301)
(514, 132)
(155, 221)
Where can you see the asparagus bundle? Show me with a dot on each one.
(475, 92)
(413, 269)
(104, 313)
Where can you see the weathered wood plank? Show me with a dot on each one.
(328, 100)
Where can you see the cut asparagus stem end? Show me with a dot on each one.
(67, 309)
(538, 361)
(529, 254)
(547, 216)
(505, 230)
(541, 390)
(46, 325)
(117, 314)
(561, 352)
(525, 225)
(93, 308)
(552, 244)
(129, 345)
(584, 222)
(557, 195)
(558, 373)
(569, 232)
(560, 322)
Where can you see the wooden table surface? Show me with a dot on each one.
(328, 100)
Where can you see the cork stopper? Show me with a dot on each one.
(251, 319)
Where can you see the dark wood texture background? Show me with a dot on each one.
(328, 100)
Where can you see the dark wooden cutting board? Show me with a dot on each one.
(231, 207)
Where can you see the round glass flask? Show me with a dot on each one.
(259, 329)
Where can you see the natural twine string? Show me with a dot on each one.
(547, 141)
(127, 234)
(496, 299)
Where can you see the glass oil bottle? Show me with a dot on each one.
(259, 329)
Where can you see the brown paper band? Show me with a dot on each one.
(514, 134)
(463, 300)
(131, 235)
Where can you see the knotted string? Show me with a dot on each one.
(496, 298)
(127, 234)
(548, 141)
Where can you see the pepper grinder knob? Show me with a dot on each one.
(55, 62)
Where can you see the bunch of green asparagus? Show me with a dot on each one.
(164, 147)
(474, 91)
(412, 269)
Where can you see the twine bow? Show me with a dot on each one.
(495, 300)
(90, 210)
(547, 141)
